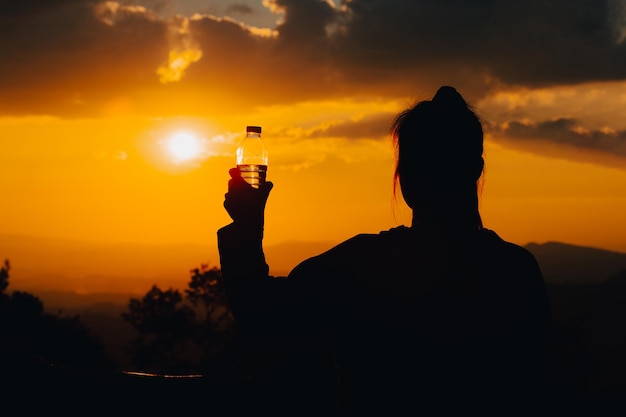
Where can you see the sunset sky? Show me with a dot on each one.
(93, 95)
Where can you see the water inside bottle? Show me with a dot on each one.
(254, 174)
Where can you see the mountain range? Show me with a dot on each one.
(563, 263)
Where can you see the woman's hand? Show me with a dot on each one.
(244, 203)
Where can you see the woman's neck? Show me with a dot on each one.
(447, 220)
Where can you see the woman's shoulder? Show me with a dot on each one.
(373, 241)
(364, 239)
(505, 251)
(359, 246)
(493, 238)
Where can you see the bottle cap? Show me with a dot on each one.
(255, 129)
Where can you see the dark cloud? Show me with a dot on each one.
(375, 126)
(60, 57)
(67, 61)
(543, 43)
(240, 9)
(534, 42)
(304, 20)
(13, 8)
(572, 139)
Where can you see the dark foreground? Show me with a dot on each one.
(42, 388)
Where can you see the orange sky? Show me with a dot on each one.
(95, 91)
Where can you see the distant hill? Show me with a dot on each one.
(562, 263)
(68, 302)
(51, 264)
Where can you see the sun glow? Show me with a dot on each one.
(184, 146)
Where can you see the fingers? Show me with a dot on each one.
(236, 181)
(267, 186)
(235, 176)
(243, 202)
(234, 172)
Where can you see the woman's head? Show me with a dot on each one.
(439, 147)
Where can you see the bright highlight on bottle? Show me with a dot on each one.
(184, 146)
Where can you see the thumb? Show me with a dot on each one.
(267, 186)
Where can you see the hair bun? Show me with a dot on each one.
(448, 96)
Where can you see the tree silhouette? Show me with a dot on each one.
(28, 335)
(216, 330)
(191, 334)
(165, 327)
(205, 291)
(4, 276)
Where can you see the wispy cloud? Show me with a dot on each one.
(563, 138)
(568, 132)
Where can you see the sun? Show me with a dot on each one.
(184, 146)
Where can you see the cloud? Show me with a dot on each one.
(558, 42)
(16, 8)
(178, 62)
(71, 60)
(583, 122)
(372, 126)
(184, 52)
(72, 57)
(303, 20)
(241, 9)
(565, 138)
(531, 43)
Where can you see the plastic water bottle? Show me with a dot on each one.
(252, 157)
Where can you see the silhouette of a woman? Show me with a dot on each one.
(441, 315)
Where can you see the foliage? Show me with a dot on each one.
(164, 326)
(29, 335)
(205, 290)
(208, 298)
(4, 276)
(182, 335)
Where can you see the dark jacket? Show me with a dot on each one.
(403, 320)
